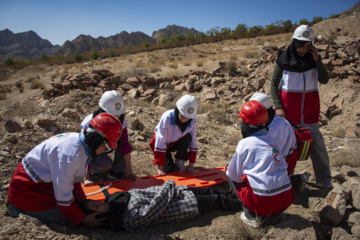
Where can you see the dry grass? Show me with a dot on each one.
(35, 84)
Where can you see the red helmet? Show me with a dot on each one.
(109, 127)
(254, 113)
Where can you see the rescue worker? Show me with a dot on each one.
(281, 130)
(298, 70)
(176, 132)
(46, 183)
(112, 102)
(258, 172)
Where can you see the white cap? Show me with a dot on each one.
(304, 33)
(262, 98)
(187, 106)
(112, 102)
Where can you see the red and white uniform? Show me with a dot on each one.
(260, 172)
(167, 132)
(49, 176)
(300, 91)
(285, 140)
(123, 144)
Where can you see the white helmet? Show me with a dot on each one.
(187, 106)
(112, 102)
(304, 33)
(262, 98)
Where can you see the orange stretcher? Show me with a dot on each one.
(198, 178)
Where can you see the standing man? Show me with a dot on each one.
(298, 70)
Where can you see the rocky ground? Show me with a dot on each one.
(31, 115)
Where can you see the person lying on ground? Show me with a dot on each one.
(137, 209)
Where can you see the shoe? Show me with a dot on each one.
(276, 219)
(180, 164)
(325, 184)
(254, 222)
(304, 180)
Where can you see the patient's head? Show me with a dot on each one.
(91, 206)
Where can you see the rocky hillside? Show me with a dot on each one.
(31, 116)
(172, 29)
(25, 44)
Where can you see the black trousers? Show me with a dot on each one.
(181, 147)
(210, 199)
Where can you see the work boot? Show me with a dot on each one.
(304, 180)
(230, 202)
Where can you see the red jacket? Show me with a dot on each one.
(299, 94)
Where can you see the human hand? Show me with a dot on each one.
(314, 52)
(190, 168)
(92, 222)
(280, 112)
(130, 174)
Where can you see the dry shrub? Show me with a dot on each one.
(187, 63)
(173, 65)
(250, 54)
(140, 64)
(37, 85)
(199, 62)
(154, 68)
(339, 132)
(231, 66)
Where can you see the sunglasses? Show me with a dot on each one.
(108, 148)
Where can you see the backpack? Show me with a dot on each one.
(303, 141)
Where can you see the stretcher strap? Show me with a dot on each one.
(102, 189)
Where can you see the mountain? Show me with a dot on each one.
(172, 29)
(85, 43)
(30, 45)
(25, 44)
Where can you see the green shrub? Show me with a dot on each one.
(112, 53)
(94, 54)
(304, 21)
(316, 19)
(43, 58)
(77, 57)
(334, 15)
(9, 62)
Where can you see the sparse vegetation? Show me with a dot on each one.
(9, 62)
(35, 84)
(43, 58)
(93, 54)
(77, 57)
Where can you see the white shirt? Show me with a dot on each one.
(258, 157)
(62, 160)
(168, 132)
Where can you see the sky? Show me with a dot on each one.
(58, 21)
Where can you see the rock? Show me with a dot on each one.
(340, 234)
(46, 120)
(333, 208)
(70, 113)
(295, 227)
(12, 126)
(353, 185)
(11, 138)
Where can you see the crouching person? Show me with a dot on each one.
(46, 183)
(258, 172)
(176, 132)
